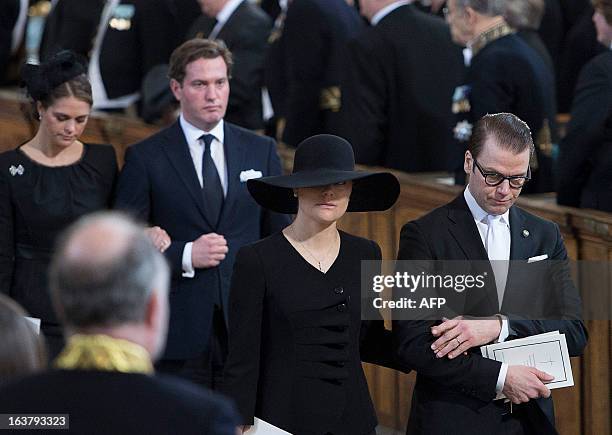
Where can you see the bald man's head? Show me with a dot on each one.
(104, 272)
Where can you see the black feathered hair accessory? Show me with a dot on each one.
(40, 80)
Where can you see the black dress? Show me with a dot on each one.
(296, 339)
(36, 203)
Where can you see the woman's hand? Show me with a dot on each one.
(159, 237)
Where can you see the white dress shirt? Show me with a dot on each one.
(224, 14)
(480, 218)
(100, 98)
(387, 10)
(196, 150)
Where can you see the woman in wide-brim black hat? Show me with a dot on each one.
(296, 338)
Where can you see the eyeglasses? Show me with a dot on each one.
(495, 179)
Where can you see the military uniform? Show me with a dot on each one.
(506, 75)
(315, 36)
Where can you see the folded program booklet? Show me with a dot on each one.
(546, 352)
(264, 428)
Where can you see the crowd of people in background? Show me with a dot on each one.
(387, 75)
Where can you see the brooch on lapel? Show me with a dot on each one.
(16, 170)
(121, 18)
(525, 233)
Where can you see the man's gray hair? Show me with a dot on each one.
(104, 272)
(524, 14)
(485, 7)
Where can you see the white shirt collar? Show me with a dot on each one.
(387, 10)
(477, 212)
(193, 133)
(227, 10)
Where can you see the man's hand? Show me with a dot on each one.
(457, 335)
(525, 383)
(208, 251)
(159, 237)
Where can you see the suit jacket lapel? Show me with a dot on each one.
(521, 247)
(234, 150)
(177, 151)
(231, 21)
(464, 230)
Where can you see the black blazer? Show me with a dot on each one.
(120, 403)
(9, 14)
(159, 185)
(462, 389)
(396, 104)
(296, 339)
(246, 35)
(584, 170)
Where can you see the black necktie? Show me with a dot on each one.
(211, 184)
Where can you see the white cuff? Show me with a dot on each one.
(188, 271)
(505, 332)
(501, 378)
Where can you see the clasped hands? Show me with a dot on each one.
(208, 250)
(455, 336)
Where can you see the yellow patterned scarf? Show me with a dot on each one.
(104, 353)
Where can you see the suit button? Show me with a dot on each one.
(341, 308)
(339, 290)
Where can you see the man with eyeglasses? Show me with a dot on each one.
(456, 386)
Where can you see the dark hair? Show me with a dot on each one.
(102, 292)
(195, 49)
(510, 132)
(605, 7)
(63, 75)
(22, 350)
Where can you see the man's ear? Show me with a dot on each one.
(153, 313)
(468, 162)
(176, 88)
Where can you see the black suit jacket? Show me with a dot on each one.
(9, 13)
(297, 339)
(462, 389)
(159, 185)
(584, 170)
(126, 54)
(120, 403)
(397, 100)
(315, 37)
(246, 35)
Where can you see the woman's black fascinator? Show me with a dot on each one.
(41, 80)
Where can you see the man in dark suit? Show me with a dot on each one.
(401, 77)
(482, 225)
(190, 180)
(110, 288)
(244, 28)
(584, 165)
(13, 14)
(314, 37)
(505, 75)
(123, 39)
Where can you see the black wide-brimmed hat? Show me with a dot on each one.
(319, 161)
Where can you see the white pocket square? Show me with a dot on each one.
(537, 258)
(250, 174)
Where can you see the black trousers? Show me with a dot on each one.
(205, 369)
